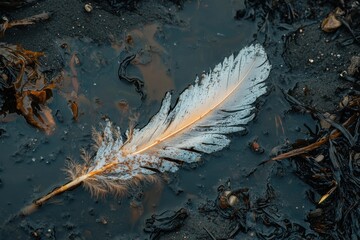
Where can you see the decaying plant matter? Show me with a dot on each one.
(219, 103)
(330, 164)
(24, 88)
(6, 24)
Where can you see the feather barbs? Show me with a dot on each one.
(232, 85)
(219, 103)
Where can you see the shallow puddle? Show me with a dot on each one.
(168, 58)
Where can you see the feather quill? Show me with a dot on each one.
(218, 103)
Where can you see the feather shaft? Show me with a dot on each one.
(196, 119)
(39, 202)
(218, 104)
(235, 77)
(70, 185)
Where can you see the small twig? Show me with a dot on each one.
(324, 197)
(70, 185)
(208, 232)
(339, 127)
(22, 22)
(354, 102)
(234, 231)
(334, 134)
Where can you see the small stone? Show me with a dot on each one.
(325, 124)
(343, 73)
(4, 77)
(255, 146)
(319, 158)
(226, 193)
(233, 200)
(344, 102)
(88, 7)
(331, 23)
(76, 59)
(102, 220)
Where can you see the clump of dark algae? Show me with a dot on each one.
(233, 214)
(167, 221)
(329, 162)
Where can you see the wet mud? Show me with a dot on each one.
(118, 60)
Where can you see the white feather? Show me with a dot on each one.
(219, 103)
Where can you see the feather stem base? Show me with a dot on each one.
(217, 104)
(70, 185)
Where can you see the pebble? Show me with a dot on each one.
(319, 158)
(233, 200)
(331, 22)
(88, 7)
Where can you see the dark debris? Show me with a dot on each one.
(165, 222)
(12, 4)
(336, 175)
(24, 88)
(138, 83)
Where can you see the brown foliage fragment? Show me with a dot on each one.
(25, 87)
(6, 24)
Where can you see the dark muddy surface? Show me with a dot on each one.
(169, 43)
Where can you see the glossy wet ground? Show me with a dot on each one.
(168, 59)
